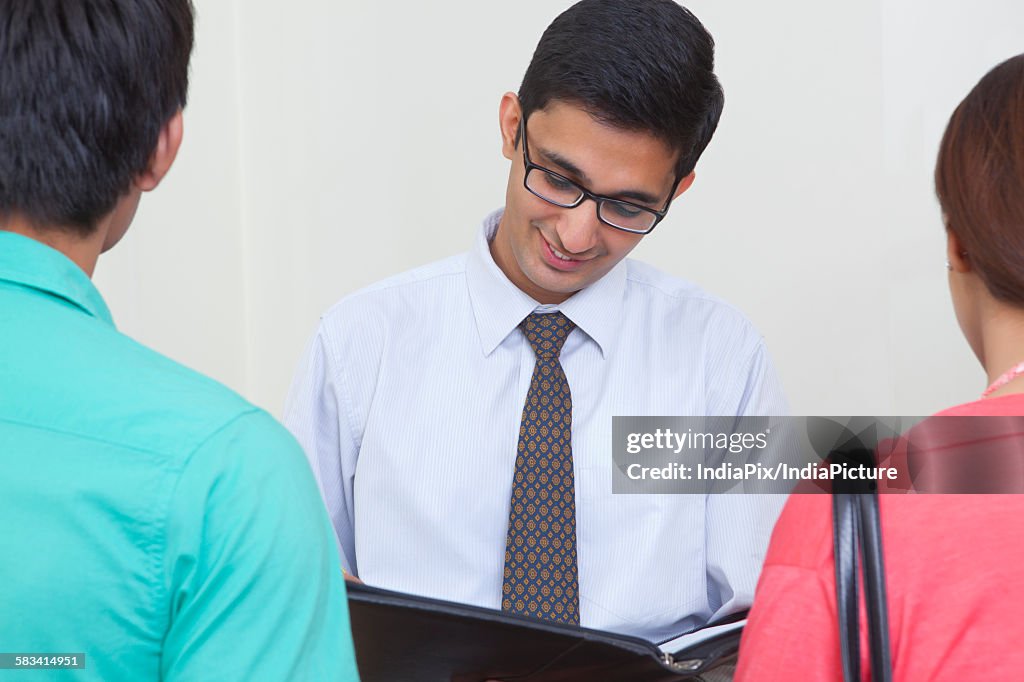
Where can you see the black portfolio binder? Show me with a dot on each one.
(404, 638)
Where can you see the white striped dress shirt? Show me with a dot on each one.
(408, 404)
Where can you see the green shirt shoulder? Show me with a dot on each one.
(155, 520)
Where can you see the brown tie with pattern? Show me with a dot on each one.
(540, 577)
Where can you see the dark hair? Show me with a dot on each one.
(85, 88)
(638, 65)
(979, 179)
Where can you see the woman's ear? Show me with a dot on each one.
(957, 259)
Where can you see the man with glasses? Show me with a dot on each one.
(459, 417)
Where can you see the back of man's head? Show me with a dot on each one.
(85, 89)
(644, 65)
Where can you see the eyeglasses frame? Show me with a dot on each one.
(585, 193)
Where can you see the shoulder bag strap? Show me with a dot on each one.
(844, 538)
(870, 534)
(855, 521)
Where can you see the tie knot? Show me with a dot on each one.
(546, 333)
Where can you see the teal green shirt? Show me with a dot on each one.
(149, 517)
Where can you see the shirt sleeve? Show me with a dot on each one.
(250, 572)
(318, 415)
(792, 632)
(754, 390)
(739, 525)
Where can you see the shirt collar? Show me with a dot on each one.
(499, 305)
(32, 264)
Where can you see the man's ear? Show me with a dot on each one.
(684, 184)
(509, 114)
(957, 257)
(163, 155)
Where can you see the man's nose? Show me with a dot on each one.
(579, 228)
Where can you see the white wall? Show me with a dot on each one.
(329, 144)
(177, 280)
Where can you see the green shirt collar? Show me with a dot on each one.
(32, 264)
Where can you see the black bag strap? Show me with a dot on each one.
(875, 598)
(844, 541)
(855, 522)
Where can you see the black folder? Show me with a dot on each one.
(405, 638)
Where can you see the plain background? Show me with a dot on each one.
(330, 144)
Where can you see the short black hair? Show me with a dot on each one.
(644, 65)
(85, 88)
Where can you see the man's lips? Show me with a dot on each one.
(565, 264)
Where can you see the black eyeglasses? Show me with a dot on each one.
(561, 191)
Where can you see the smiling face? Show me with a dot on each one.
(550, 252)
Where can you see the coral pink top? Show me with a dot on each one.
(955, 572)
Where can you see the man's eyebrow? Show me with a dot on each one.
(569, 168)
(564, 164)
(641, 197)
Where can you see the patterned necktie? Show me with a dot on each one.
(540, 576)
